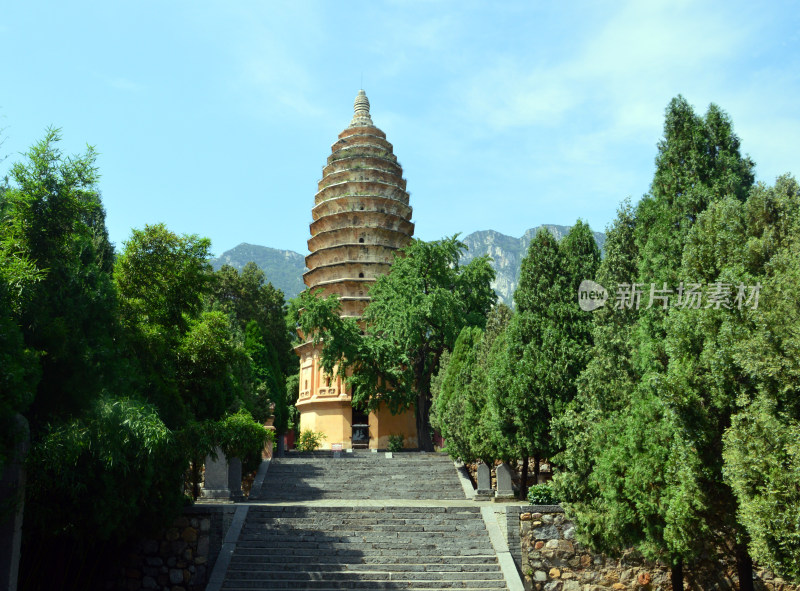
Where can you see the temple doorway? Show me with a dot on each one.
(360, 424)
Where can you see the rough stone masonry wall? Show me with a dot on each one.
(180, 557)
(551, 560)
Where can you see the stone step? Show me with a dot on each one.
(268, 585)
(335, 564)
(371, 574)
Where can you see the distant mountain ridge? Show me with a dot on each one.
(507, 253)
(284, 268)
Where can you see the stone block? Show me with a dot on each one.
(235, 479)
(484, 479)
(175, 576)
(565, 546)
(189, 535)
(505, 488)
(546, 532)
(203, 544)
(216, 484)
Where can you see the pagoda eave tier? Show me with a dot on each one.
(361, 219)
(351, 253)
(363, 153)
(394, 189)
(369, 159)
(350, 203)
(360, 131)
(355, 272)
(356, 236)
(361, 172)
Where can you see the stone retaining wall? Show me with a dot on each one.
(551, 560)
(180, 557)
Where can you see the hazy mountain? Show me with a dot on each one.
(507, 253)
(284, 268)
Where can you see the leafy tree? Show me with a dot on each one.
(698, 162)
(95, 481)
(415, 315)
(103, 449)
(161, 279)
(761, 453)
(19, 365)
(204, 358)
(247, 296)
(484, 439)
(259, 310)
(53, 228)
(270, 385)
(509, 441)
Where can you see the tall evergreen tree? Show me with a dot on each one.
(548, 340)
(667, 509)
(461, 409)
(53, 219)
(452, 397)
(733, 374)
(603, 388)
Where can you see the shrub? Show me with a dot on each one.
(396, 442)
(241, 437)
(309, 440)
(542, 494)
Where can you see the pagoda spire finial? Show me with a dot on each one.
(361, 116)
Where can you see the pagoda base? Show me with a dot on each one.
(334, 419)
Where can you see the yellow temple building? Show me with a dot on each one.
(361, 217)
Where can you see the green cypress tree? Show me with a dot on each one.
(548, 340)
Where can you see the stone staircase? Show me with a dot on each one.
(360, 475)
(362, 521)
(364, 548)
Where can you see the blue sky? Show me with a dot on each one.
(217, 117)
